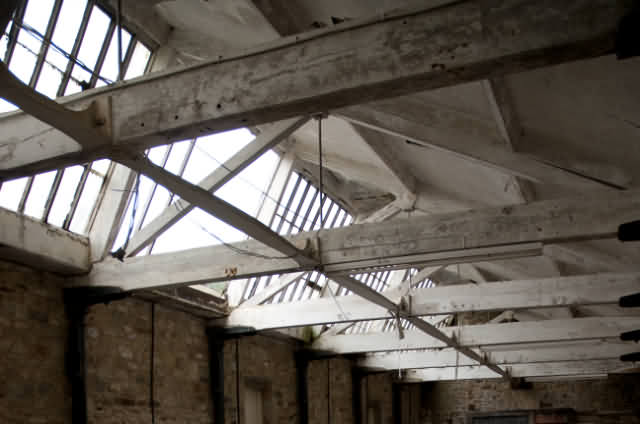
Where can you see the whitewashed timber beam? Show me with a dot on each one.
(110, 211)
(439, 358)
(548, 369)
(500, 158)
(266, 140)
(42, 246)
(410, 50)
(484, 335)
(429, 240)
(595, 289)
(405, 199)
(276, 189)
(503, 111)
(215, 206)
(254, 228)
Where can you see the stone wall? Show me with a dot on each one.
(33, 331)
(609, 400)
(268, 364)
(119, 357)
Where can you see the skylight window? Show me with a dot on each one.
(62, 47)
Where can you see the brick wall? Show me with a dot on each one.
(33, 331)
(119, 365)
(268, 363)
(600, 401)
(34, 386)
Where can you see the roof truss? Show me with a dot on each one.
(474, 40)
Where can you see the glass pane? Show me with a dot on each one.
(37, 14)
(158, 204)
(64, 197)
(5, 106)
(197, 229)
(212, 151)
(49, 81)
(78, 76)
(139, 60)
(11, 193)
(86, 203)
(94, 37)
(72, 88)
(4, 41)
(23, 60)
(110, 67)
(101, 167)
(39, 193)
(248, 188)
(69, 21)
(176, 157)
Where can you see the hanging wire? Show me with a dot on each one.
(264, 193)
(231, 246)
(321, 169)
(333, 296)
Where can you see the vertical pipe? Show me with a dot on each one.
(216, 374)
(328, 391)
(75, 357)
(152, 401)
(396, 390)
(356, 396)
(302, 373)
(238, 381)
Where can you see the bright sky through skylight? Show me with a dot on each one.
(246, 191)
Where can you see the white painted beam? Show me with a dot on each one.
(509, 127)
(89, 127)
(375, 141)
(321, 70)
(266, 140)
(42, 246)
(596, 289)
(213, 205)
(430, 240)
(441, 358)
(110, 211)
(484, 153)
(272, 290)
(550, 369)
(277, 187)
(484, 335)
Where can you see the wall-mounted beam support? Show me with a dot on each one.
(216, 372)
(77, 301)
(302, 359)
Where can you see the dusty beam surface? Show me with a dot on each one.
(593, 289)
(30, 242)
(352, 63)
(430, 240)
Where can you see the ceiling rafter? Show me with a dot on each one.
(266, 140)
(439, 239)
(485, 335)
(587, 30)
(592, 289)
